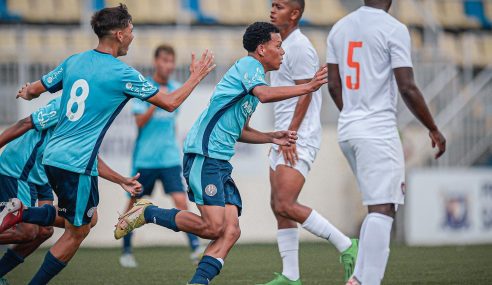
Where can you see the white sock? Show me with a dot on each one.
(288, 246)
(319, 226)
(359, 265)
(375, 248)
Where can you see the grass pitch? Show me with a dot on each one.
(251, 264)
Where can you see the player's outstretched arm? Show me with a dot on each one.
(16, 130)
(252, 136)
(129, 184)
(31, 91)
(268, 94)
(198, 71)
(416, 103)
(335, 85)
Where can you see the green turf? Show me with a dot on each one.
(249, 264)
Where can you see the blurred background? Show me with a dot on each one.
(448, 201)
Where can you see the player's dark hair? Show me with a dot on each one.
(300, 3)
(108, 19)
(258, 33)
(164, 48)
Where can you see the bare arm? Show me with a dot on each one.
(130, 185)
(15, 131)
(416, 103)
(198, 71)
(301, 108)
(252, 136)
(31, 91)
(143, 119)
(268, 94)
(335, 85)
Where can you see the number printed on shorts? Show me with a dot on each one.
(76, 104)
(353, 64)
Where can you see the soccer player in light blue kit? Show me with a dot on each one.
(210, 145)
(23, 180)
(157, 155)
(96, 86)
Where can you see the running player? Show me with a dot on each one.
(22, 176)
(369, 60)
(156, 155)
(210, 145)
(96, 86)
(290, 165)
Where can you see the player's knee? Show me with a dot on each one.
(282, 208)
(28, 235)
(45, 233)
(384, 209)
(232, 233)
(80, 233)
(213, 231)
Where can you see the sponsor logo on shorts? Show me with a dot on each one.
(91, 211)
(62, 210)
(211, 190)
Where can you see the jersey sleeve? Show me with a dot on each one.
(253, 75)
(53, 80)
(400, 49)
(303, 63)
(46, 116)
(331, 55)
(139, 107)
(135, 85)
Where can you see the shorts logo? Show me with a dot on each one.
(91, 211)
(211, 190)
(62, 210)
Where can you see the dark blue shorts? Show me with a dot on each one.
(11, 187)
(169, 176)
(78, 194)
(210, 182)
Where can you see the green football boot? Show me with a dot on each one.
(282, 280)
(348, 259)
(132, 219)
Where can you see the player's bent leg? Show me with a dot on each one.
(213, 259)
(181, 202)
(61, 253)
(20, 233)
(375, 241)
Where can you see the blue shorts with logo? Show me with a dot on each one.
(210, 182)
(169, 176)
(11, 187)
(78, 194)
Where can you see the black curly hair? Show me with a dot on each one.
(107, 19)
(258, 33)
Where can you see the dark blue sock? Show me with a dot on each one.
(193, 241)
(208, 268)
(43, 216)
(9, 261)
(162, 217)
(50, 268)
(127, 243)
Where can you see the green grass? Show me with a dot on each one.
(248, 264)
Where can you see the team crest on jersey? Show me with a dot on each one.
(211, 190)
(91, 211)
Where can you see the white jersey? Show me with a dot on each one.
(300, 62)
(367, 45)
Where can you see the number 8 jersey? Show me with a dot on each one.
(96, 86)
(367, 45)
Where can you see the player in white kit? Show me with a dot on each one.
(290, 165)
(369, 60)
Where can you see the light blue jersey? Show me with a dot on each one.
(156, 145)
(219, 127)
(22, 157)
(96, 86)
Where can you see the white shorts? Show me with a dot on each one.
(379, 166)
(306, 156)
